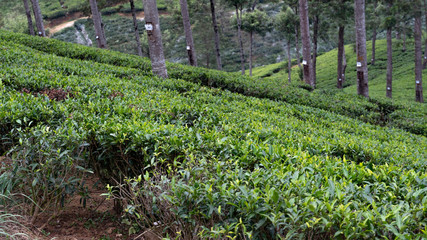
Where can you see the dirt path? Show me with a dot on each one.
(58, 24)
(140, 15)
(57, 28)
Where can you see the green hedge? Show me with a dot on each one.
(410, 117)
(273, 168)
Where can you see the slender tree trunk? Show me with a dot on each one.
(254, 3)
(404, 40)
(340, 57)
(251, 36)
(155, 44)
(315, 37)
(398, 32)
(191, 51)
(215, 28)
(39, 18)
(239, 33)
(135, 27)
(344, 66)
(29, 19)
(425, 41)
(306, 49)
(289, 60)
(297, 46)
(418, 58)
(389, 63)
(374, 38)
(362, 66)
(97, 24)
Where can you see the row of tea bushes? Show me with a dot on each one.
(316, 131)
(256, 167)
(409, 117)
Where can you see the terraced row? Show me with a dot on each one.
(410, 117)
(235, 165)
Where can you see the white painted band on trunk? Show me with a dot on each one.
(149, 27)
(359, 64)
(304, 62)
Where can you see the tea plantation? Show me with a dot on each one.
(212, 154)
(403, 71)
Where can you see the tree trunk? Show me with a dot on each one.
(29, 19)
(207, 59)
(97, 24)
(255, 2)
(289, 61)
(306, 49)
(425, 41)
(191, 51)
(344, 66)
(215, 28)
(315, 37)
(297, 47)
(362, 66)
(418, 59)
(135, 27)
(239, 33)
(389, 63)
(155, 44)
(39, 18)
(374, 38)
(251, 36)
(340, 57)
(404, 40)
(398, 33)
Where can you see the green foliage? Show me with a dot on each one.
(285, 23)
(371, 111)
(48, 167)
(256, 22)
(218, 163)
(14, 10)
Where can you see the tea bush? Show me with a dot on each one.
(231, 165)
(374, 111)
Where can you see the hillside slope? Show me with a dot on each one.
(403, 71)
(56, 9)
(210, 162)
(407, 116)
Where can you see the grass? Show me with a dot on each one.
(8, 222)
(403, 71)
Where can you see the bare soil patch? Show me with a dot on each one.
(140, 15)
(57, 94)
(95, 221)
(61, 20)
(56, 28)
